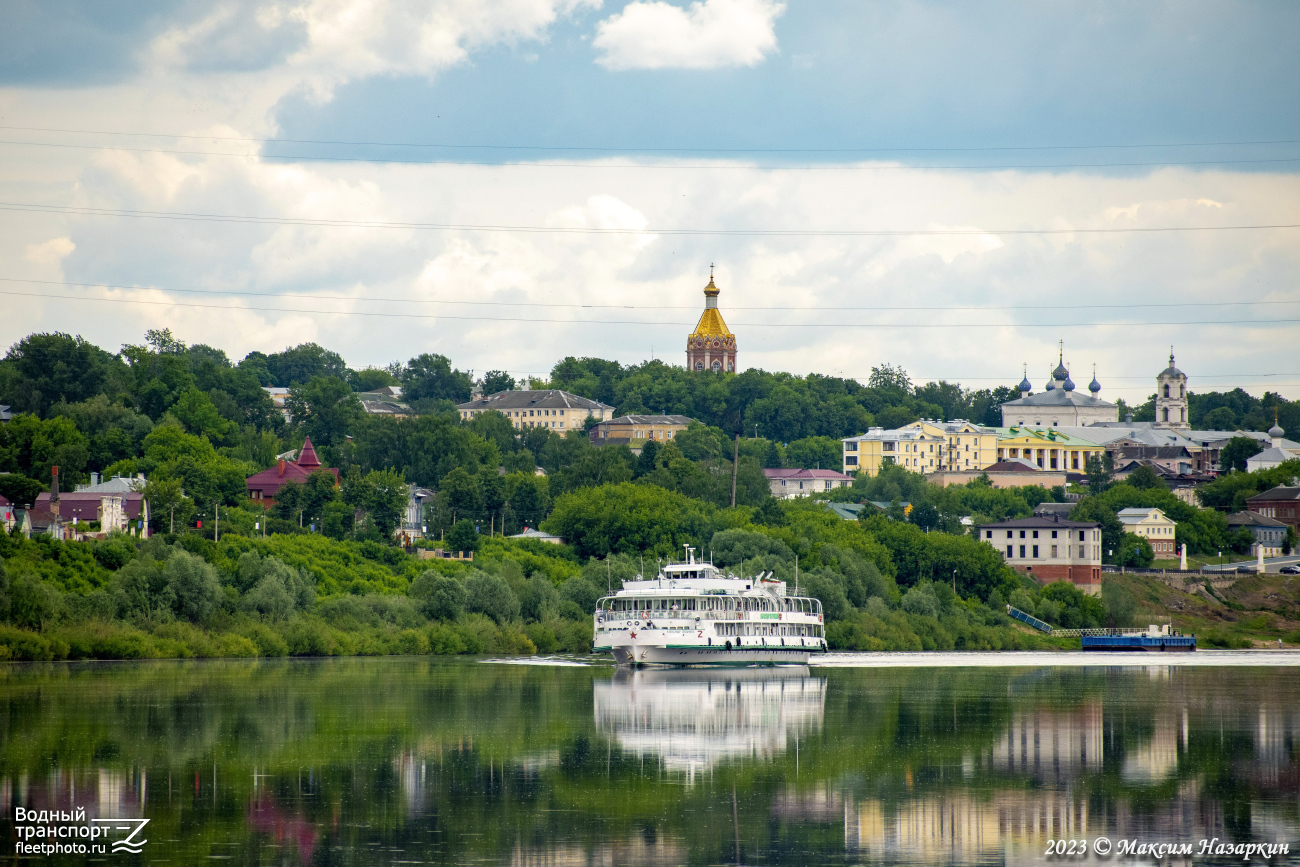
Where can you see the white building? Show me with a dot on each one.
(1280, 451)
(1059, 404)
(787, 484)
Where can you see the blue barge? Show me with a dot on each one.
(1160, 639)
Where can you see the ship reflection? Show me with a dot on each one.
(691, 720)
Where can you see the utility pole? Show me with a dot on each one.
(735, 465)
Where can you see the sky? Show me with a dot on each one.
(956, 188)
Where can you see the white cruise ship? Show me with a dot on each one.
(692, 614)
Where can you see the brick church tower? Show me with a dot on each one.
(711, 346)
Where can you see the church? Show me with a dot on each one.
(711, 346)
(1059, 404)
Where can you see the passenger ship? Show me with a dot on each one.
(693, 614)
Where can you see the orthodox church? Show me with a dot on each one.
(1058, 405)
(711, 345)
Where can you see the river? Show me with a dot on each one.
(907, 759)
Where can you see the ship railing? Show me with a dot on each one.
(651, 613)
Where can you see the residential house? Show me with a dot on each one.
(1181, 485)
(1154, 526)
(791, 483)
(115, 485)
(263, 486)
(1269, 533)
(635, 430)
(910, 447)
(530, 533)
(1050, 549)
(1058, 510)
(1048, 449)
(1203, 445)
(969, 446)
(384, 401)
(550, 408)
(126, 512)
(1173, 460)
(1281, 503)
(5, 413)
(1008, 473)
(278, 397)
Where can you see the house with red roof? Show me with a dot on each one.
(263, 486)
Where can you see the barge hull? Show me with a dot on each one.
(1141, 643)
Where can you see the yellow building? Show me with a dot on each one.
(634, 430)
(1154, 526)
(914, 448)
(711, 345)
(555, 409)
(968, 446)
(1049, 449)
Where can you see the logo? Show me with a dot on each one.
(128, 843)
(69, 832)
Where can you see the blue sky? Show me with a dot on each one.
(953, 120)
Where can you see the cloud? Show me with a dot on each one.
(321, 44)
(709, 35)
(50, 252)
(510, 289)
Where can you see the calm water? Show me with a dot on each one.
(412, 760)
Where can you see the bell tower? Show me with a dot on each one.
(711, 346)
(1171, 397)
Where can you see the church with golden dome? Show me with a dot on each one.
(711, 345)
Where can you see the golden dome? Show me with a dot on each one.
(711, 329)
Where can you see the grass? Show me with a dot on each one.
(1195, 562)
(1256, 610)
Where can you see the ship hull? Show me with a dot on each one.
(651, 654)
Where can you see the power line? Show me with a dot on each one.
(371, 313)
(595, 148)
(29, 207)
(593, 165)
(833, 308)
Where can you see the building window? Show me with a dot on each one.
(1022, 534)
(1053, 552)
(1081, 554)
(1022, 552)
(1035, 552)
(1008, 534)
(1081, 535)
(1035, 534)
(1166, 392)
(988, 534)
(1008, 552)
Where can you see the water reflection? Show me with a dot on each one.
(689, 720)
(382, 761)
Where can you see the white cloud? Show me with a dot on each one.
(334, 41)
(50, 252)
(845, 279)
(708, 35)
